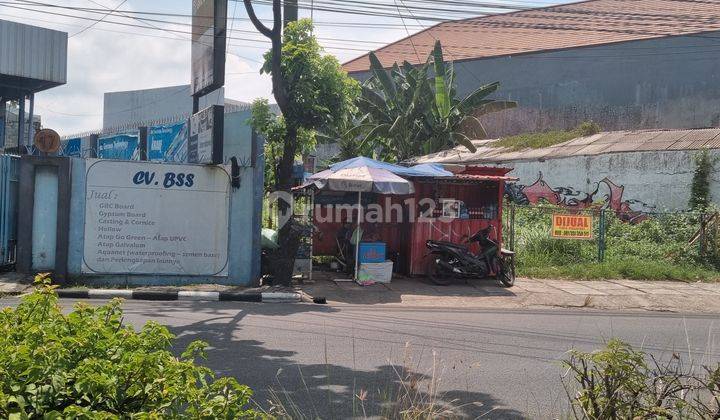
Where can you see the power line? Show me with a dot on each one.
(98, 21)
(342, 40)
(339, 48)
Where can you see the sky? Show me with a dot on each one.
(108, 57)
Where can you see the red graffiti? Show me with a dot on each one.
(541, 191)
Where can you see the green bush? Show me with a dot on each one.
(656, 248)
(89, 365)
(619, 382)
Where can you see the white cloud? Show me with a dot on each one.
(102, 60)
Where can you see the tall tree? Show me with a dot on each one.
(311, 91)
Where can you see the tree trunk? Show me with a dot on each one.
(288, 235)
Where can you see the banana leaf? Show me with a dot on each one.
(442, 94)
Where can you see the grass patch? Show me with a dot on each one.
(621, 269)
(655, 249)
(547, 138)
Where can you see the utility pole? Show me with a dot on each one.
(290, 12)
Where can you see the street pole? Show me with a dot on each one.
(21, 125)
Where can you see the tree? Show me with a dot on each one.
(273, 128)
(700, 189)
(311, 91)
(409, 113)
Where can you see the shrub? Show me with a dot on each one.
(89, 365)
(700, 187)
(656, 248)
(619, 382)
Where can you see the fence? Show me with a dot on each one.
(681, 245)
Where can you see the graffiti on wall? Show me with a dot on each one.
(606, 195)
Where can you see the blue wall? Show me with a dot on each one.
(671, 82)
(245, 217)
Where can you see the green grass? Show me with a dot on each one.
(546, 138)
(655, 249)
(621, 269)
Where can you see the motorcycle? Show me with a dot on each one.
(448, 260)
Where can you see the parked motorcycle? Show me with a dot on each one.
(448, 260)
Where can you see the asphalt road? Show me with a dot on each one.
(492, 363)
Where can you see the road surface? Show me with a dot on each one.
(492, 363)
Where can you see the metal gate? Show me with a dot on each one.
(8, 207)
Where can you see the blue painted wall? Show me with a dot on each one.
(671, 82)
(245, 217)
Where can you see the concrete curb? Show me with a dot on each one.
(184, 295)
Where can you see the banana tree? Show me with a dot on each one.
(406, 113)
(451, 121)
(393, 103)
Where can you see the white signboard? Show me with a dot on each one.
(149, 218)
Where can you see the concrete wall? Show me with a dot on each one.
(651, 181)
(245, 216)
(138, 107)
(672, 82)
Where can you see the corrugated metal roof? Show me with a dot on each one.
(30, 52)
(602, 143)
(594, 22)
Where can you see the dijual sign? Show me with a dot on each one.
(571, 226)
(148, 218)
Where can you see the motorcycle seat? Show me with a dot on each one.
(450, 244)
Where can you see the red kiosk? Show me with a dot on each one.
(446, 208)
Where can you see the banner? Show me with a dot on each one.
(168, 143)
(119, 146)
(149, 218)
(205, 144)
(209, 22)
(71, 147)
(572, 226)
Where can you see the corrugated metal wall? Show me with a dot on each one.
(32, 52)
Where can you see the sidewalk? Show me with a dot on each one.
(12, 283)
(527, 293)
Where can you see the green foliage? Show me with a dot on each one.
(320, 92)
(656, 248)
(89, 365)
(274, 129)
(700, 190)
(405, 113)
(619, 382)
(547, 138)
(321, 100)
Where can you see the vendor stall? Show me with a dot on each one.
(448, 204)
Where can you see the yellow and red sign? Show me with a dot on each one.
(572, 226)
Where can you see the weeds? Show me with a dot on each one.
(547, 138)
(619, 382)
(657, 248)
(408, 396)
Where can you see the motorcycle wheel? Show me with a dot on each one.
(506, 273)
(436, 273)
